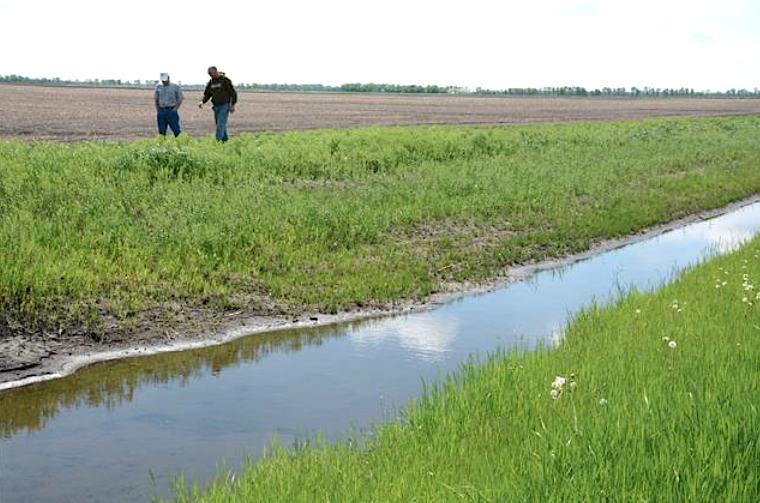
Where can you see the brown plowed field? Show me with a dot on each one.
(72, 114)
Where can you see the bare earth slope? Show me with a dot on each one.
(75, 114)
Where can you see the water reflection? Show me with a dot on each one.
(725, 242)
(425, 335)
(111, 384)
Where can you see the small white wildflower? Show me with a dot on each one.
(573, 384)
(724, 283)
(638, 311)
(555, 394)
(672, 344)
(745, 300)
(603, 402)
(665, 338)
(559, 382)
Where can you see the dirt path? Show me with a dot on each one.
(76, 114)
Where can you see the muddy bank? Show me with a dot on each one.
(25, 359)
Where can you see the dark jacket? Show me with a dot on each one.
(220, 91)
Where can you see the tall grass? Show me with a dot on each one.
(95, 235)
(659, 403)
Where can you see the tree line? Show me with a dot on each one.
(357, 87)
(634, 92)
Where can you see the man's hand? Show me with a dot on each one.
(200, 104)
(232, 109)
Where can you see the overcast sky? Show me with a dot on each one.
(700, 44)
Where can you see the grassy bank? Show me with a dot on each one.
(96, 235)
(659, 403)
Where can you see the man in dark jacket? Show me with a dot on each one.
(223, 97)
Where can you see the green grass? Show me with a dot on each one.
(96, 235)
(644, 421)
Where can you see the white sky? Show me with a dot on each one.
(700, 44)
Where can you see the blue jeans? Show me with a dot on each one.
(221, 115)
(168, 118)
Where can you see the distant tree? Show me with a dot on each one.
(357, 87)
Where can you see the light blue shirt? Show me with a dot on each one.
(168, 96)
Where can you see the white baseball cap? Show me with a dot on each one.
(164, 76)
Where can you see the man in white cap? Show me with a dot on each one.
(168, 99)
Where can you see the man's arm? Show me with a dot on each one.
(233, 95)
(206, 94)
(180, 98)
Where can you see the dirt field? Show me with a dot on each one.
(74, 114)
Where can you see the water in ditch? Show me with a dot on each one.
(106, 432)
